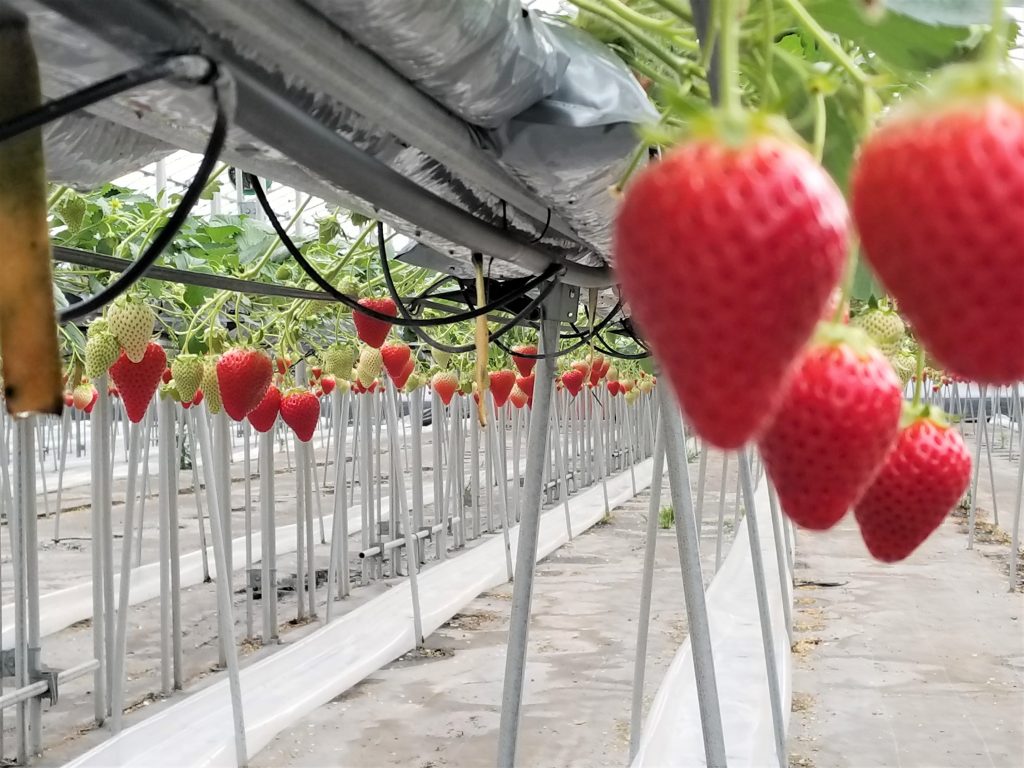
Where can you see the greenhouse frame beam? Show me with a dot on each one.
(278, 122)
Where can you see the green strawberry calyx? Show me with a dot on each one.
(836, 334)
(912, 414)
(962, 87)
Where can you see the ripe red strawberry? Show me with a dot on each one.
(316, 370)
(922, 479)
(596, 370)
(301, 411)
(137, 382)
(243, 376)
(327, 383)
(524, 364)
(765, 233)
(166, 376)
(403, 377)
(283, 364)
(838, 420)
(614, 387)
(396, 356)
(92, 403)
(370, 330)
(572, 380)
(69, 400)
(83, 395)
(938, 198)
(263, 416)
(445, 383)
(518, 398)
(198, 398)
(501, 386)
(526, 383)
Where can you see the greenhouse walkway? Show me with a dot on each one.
(914, 665)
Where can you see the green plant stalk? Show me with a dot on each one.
(680, 10)
(824, 39)
(768, 44)
(662, 28)
(847, 290)
(918, 380)
(995, 41)
(55, 197)
(820, 126)
(729, 58)
(630, 30)
(262, 260)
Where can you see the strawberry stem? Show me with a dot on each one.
(729, 58)
(825, 40)
(995, 41)
(918, 379)
(820, 126)
(848, 277)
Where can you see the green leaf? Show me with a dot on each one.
(864, 284)
(72, 211)
(328, 229)
(903, 42)
(195, 295)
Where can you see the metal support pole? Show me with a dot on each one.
(785, 582)
(165, 476)
(339, 523)
(975, 484)
(173, 544)
(1015, 533)
(99, 468)
(763, 609)
(65, 434)
(399, 500)
(721, 512)
(526, 556)
(225, 612)
(646, 589)
(103, 422)
(125, 577)
(693, 582)
(247, 496)
(304, 456)
(268, 559)
(23, 508)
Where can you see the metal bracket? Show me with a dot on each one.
(37, 672)
(7, 662)
(48, 676)
(564, 303)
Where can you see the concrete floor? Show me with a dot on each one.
(440, 706)
(915, 665)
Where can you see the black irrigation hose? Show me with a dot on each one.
(426, 338)
(175, 66)
(602, 346)
(127, 278)
(348, 301)
(562, 352)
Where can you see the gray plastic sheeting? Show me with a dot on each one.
(672, 731)
(485, 60)
(574, 145)
(85, 151)
(568, 147)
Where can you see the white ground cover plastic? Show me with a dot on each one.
(672, 732)
(279, 690)
(64, 607)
